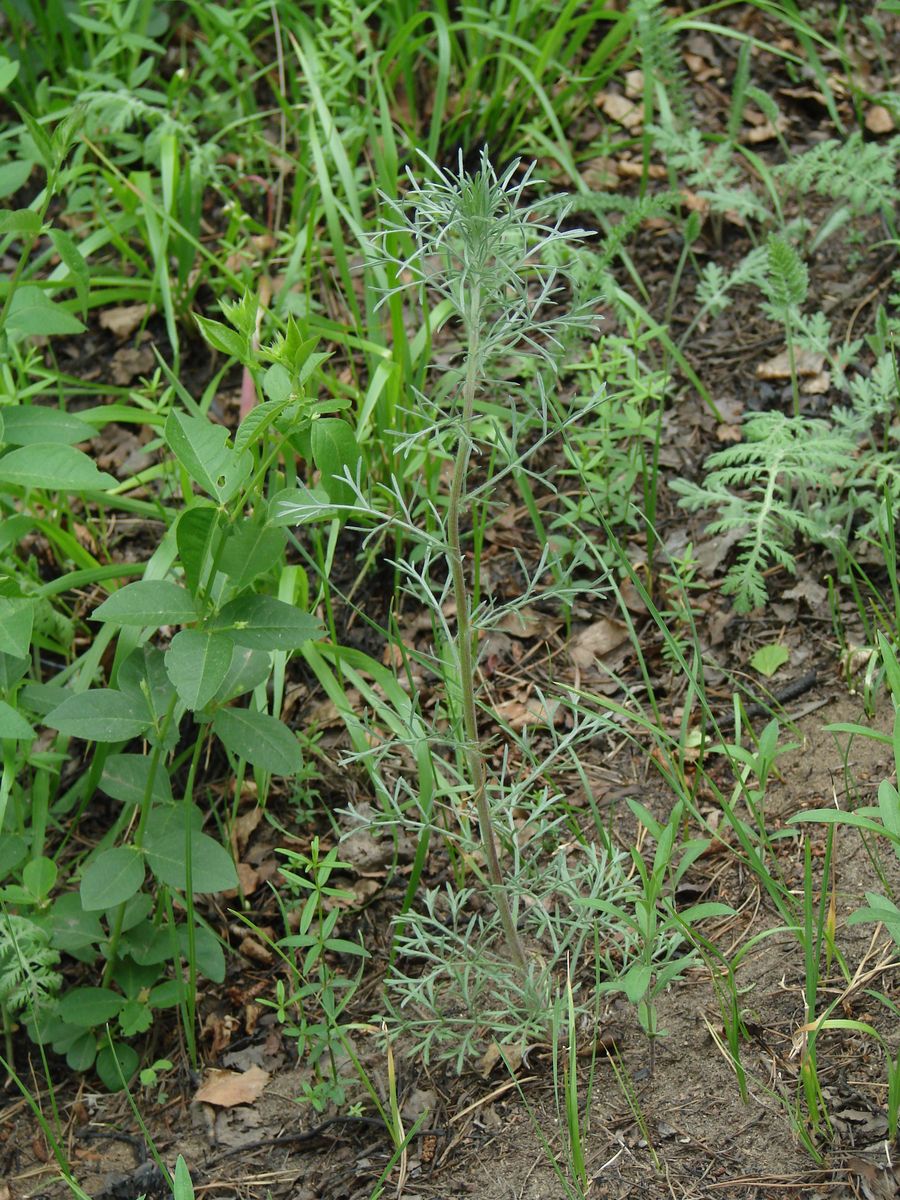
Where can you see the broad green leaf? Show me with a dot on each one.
(144, 679)
(79, 276)
(21, 221)
(249, 668)
(39, 877)
(260, 739)
(200, 447)
(126, 778)
(223, 338)
(16, 624)
(72, 929)
(195, 536)
(33, 312)
(100, 715)
(257, 421)
(148, 945)
(208, 953)
(767, 659)
(13, 176)
(53, 468)
(636, 980)
(250, 550)
(136, 1017)
(197, 663)
(149, 602)
(212, 868)
(81, 1053)
(117, 1063)
(90, 1006)
(184, 1188)
(335, 451)
(25, 424)
(111, 878)
(9, 69)
(264, 623)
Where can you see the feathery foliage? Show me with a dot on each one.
(775, 485)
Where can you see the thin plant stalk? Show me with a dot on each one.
(474, 752)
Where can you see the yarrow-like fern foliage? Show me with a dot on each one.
(26, 964)
(779, 482)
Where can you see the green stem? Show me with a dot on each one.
(474, 753)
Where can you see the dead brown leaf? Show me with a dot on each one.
(494, 1055)
(528, 623)
(879, 120)
(531, 711)
(806, 363)
(225, 1089)
(128, 363)
(620, 109)
(124, 319)
(595, 641)
(817, 385)
(244, 826)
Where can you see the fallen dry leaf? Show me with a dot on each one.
(806, 363)
(634, 84)
(126, 364)
(519, 713)
(255, 951)
(817, 385)
(879, 120)
(225, 1089)
(244, 826)
(620, 109)
(596, 640)
(494, 1055)
(124, 319)
(528, 623)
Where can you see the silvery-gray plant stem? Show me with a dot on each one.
(465, 656)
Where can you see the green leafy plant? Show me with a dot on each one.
(780, 482)
(312, 1007)
(660, 948)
